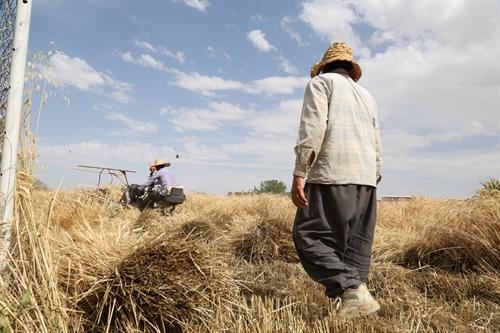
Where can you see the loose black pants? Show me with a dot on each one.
(334, 234)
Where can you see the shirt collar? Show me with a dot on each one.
(340, 71)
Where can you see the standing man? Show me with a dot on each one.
(337, 169)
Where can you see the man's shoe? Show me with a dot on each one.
(357, 303)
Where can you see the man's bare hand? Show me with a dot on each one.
(298, 197)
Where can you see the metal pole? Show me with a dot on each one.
(13, 121)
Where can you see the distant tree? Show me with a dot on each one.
(40, 185)
(271, 186)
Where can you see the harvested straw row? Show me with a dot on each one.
(166, 282)
(452, 234)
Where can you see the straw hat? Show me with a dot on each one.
(161, 162)
(337, 51)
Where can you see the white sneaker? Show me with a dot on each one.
(357, 303)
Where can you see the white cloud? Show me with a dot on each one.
(258, 18)
(333, 21)
(198, 151)
(211, 52)
(76, 72)
(277, 85)
(284, 119)
(100, 153)
(122, 96)
(142, 44)
(286, 65)
(178, 56)
(135, 126)
(258, 39)
(103, 107)
(149, 61)
(432, 85)
(452, 23)
(400, 141)
(269, 122)
(448, 174)
(200, 5)
(271, 150)
(208, 85)
(145, 60)
(431, 69)
(204, 119)
(205, 85)
(285, 24)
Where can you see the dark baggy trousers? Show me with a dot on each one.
(334, 234)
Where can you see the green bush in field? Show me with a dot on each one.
(271, 186)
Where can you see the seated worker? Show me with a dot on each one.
(160, 182)
(134, 191)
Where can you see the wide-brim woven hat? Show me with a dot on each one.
(161, 162)
(338, 51)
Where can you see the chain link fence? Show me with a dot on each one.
(7, 25)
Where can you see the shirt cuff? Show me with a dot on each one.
(299, 172)
(302, 161)
(300, 168)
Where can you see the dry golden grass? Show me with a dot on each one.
(227, 264)
(450, 234)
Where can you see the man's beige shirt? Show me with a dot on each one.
(339, 123)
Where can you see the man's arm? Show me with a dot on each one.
(378, 147)
(151, 180)
(313, 122)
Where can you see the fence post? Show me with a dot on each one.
(13, 123)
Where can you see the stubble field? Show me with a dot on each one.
(82, 263)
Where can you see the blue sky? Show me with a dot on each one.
(220, 84)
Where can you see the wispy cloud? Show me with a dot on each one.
(142, 44)
(285, 24)
(145, 45)
(280, 120)
(200, 5)
(178, 56)
(209, 85)
(101, 153)
(76, 72)
(276, 85)
(211, 52)
(286, 65)
(135, 126)
(198, 151)
(215, 54)
(203, 84)
(204, 119)
(334, 21)
(258, 39)
(122, 96)
(145, 60)
(258, 18)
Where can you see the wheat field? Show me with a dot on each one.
(80, 262)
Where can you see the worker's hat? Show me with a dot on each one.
(161, 162)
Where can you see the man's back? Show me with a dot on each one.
(165, 178)
(348, 151)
